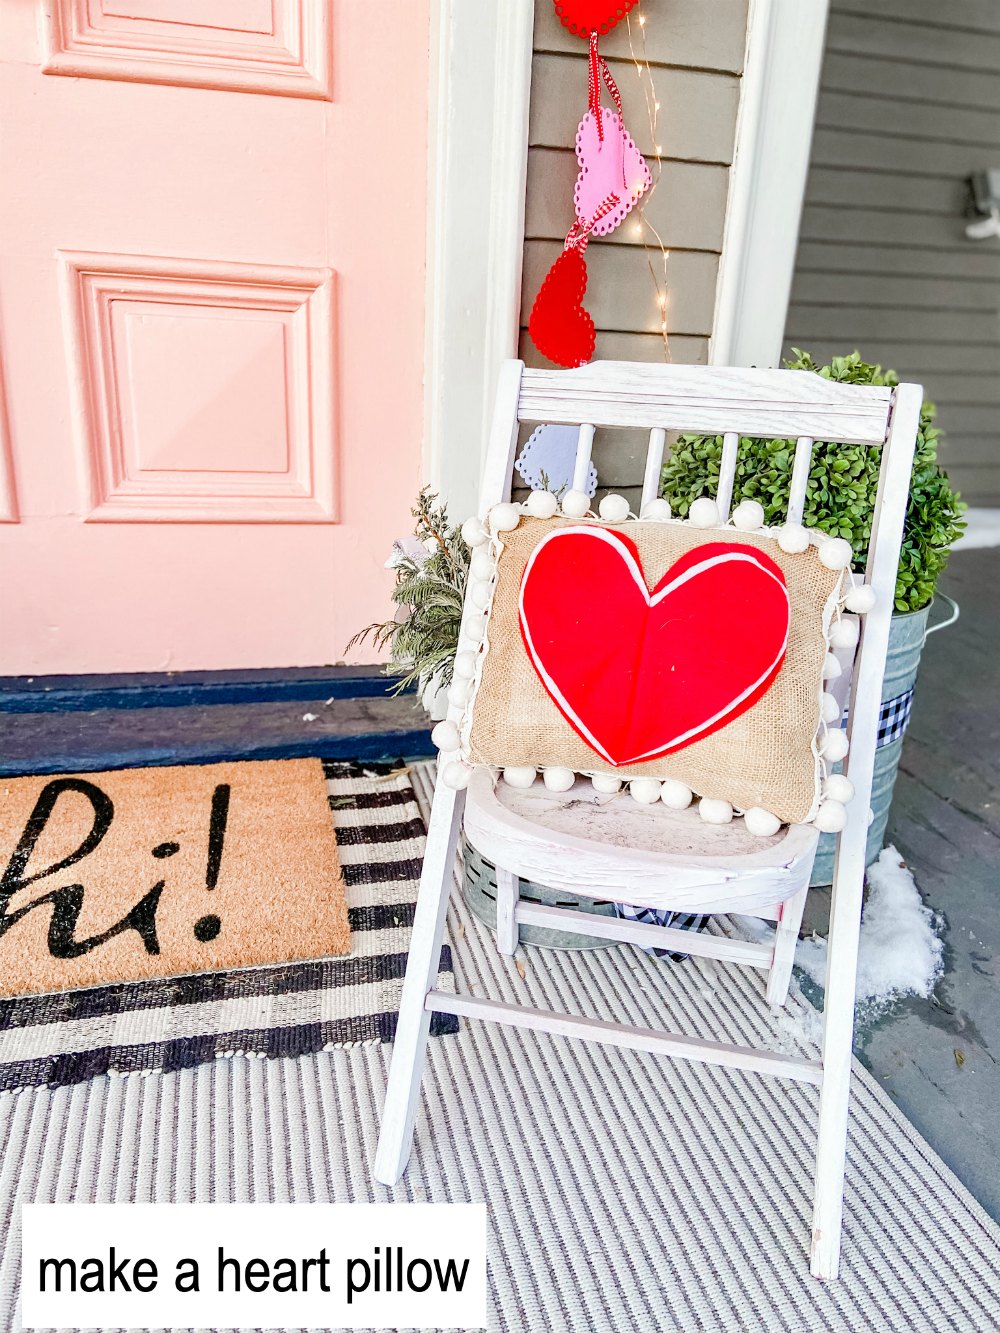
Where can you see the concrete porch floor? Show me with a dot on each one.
(939, 1059)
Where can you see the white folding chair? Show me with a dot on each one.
(533, 834)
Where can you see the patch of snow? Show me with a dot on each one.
(309, 717)
(900, 950)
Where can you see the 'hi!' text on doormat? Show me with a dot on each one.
(158, 872)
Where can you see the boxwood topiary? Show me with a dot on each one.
(840, 497)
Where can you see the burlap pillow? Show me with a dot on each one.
(765, 756)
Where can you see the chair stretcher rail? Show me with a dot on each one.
(634, 1039)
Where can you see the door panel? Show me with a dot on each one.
(211, 334)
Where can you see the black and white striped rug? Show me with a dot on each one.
(293, 1009)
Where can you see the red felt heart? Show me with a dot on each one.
(586, 16)
(559, 326)
(638, 674)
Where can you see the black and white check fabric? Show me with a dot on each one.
(894, 718)
(649, 916)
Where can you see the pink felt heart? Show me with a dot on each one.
(609, 166)
(640, 672)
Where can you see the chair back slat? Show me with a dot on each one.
(800, 478)
(708, 400)
(654, 463)
(727, 473)
(584, 448)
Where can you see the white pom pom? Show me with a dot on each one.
(657, 509)
(748, 516)
(793, 538)
(558, 779)
(481, 565)
(844, 633)
(473, 532)
(575, 504)
(675, 794)
(504, 517)
(542, 504)
(480, 594)
(704, 513)
(831, 667)
(834, 745)
(614, 508)
(644, 790)
(839, 788)
(606, 784)
(860, 600)
(715, 812)
(871, 816)
(465, 665)
(830, 710)
(445, 736)
(520, 777)
(836, 553)
(831, 817)
(458, 692)
(761, 823)
(455, 775)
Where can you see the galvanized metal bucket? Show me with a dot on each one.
(907, 635)
(479, 888)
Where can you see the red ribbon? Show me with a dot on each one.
(598, 70)
(579, 234)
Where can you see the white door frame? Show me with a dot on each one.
(480, 85)
(785, 40)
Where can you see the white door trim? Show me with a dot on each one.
(784, 58)
(480, 84)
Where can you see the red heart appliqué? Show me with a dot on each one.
(640, 673)
(559, 326)
(586, 16)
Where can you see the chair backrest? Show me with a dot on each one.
(775, 404)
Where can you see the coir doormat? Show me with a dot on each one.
(307, 1001)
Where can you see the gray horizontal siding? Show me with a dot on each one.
(909, 106)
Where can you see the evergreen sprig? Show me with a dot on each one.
(429, 592)
(840, 497)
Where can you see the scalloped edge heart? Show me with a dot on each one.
(575, 24)
(612, 124)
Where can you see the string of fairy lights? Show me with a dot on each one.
(657, 254)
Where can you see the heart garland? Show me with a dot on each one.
(613, 176)
(586, 16)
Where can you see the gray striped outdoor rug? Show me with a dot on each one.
(293, 1009)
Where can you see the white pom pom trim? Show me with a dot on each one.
(644, 790)
(838, 787)
(761, 823)
(748, 516)
(831, 667)
(575, 504)
(558, 779)
(614, 509)
(445, 736)
(704, 513)
(830, 710)
(520, 777)
(715, 812)
(675, 795)
(504, 517)
(657, 509)
(605, 784)
(473, 532)
(541, 504)
(834, 745)
(480, 595)
(455, 774)
(845, 633)
(481, 565)
(860, 600)
(459, 691)
(831, 817)
(465, 665)
(836, 553)
(793, 539)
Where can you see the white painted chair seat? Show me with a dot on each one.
(601, 846)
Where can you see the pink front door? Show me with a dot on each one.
(211, 326)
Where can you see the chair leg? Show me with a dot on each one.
(785, 939)
(838, 1039)
(508, 886)
(403, 1090)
